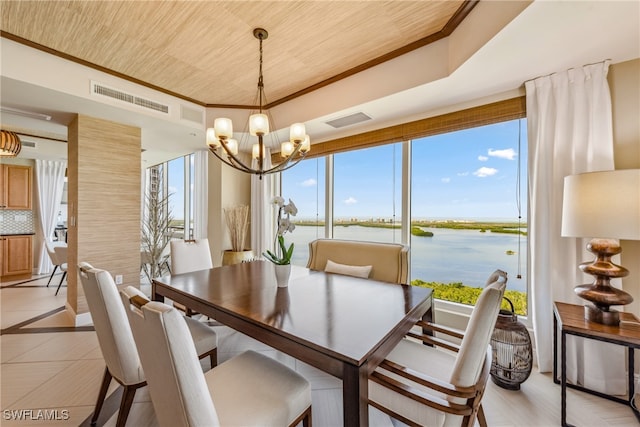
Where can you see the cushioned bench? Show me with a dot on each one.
(389, 261)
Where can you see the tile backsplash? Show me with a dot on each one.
(16, 222)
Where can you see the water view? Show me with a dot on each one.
(451, 255)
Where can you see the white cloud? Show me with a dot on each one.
(350, 201)
(309, 182)
(483, 158)
(462, 173)
(484, 172)
(446, 180)
(508, 153)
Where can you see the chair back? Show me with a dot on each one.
(50, 247)
(388, 261)
(177, 385)
(473, 348)
(111, 325)
(190, 255)
(61, 253)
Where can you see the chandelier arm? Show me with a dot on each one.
(238, 166)
(233, 158)
(284, 165)
(288, 166)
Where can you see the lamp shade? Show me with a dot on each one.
(602, 205)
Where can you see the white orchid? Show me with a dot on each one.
(284, 225)
(290, 209)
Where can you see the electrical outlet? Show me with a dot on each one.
(118, 279)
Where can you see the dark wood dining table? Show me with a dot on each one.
(342, 325)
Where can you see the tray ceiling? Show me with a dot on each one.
(205, 51)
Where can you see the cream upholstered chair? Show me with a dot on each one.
(248, 390)
(61, 257)
(49, 246)
(387, 262)
(187, 256)
(116, 340)
(423, 385)
(190, 255)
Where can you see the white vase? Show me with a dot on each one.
(282, 274)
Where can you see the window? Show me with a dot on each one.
(466, 190)
(304, 184)
(177, 180)
(367, 194)
(466, 201)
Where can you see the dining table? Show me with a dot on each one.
(340, 324)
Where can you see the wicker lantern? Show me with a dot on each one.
(512, 351)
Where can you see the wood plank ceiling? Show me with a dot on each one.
(204, 51)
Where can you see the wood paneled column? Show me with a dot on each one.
(104, 202)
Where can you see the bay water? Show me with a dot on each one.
(450, 256)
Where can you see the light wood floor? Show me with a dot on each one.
(48, 364)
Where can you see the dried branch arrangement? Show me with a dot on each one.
(237, 219)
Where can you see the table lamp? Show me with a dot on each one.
(604, 206)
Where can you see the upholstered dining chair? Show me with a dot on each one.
(247, 390)
(61, 257)
(387, 262)
(49, 246)
(190, 255)
(421, 384)
(116, 339)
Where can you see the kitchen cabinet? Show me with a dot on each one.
(15, 187)
(16, 256)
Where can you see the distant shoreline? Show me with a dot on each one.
(482, 226)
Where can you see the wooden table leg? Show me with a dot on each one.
(154, 294)
(355, 396)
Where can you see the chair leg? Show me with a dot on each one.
(481, 419)
(51, 277)
(106, 380)
(125, 404)
(213, 358)
(306, 421)
(61, 280)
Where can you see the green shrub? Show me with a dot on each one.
(457, 292)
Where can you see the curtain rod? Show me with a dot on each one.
(568, 69)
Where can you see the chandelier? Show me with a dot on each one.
(223, 146)
(10, 144)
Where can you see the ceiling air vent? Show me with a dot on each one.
(28, 144)
(191, 115)
(99, 89)
(349, 120)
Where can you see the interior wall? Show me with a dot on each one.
(624, 81)
(227, 188)
(104, 202)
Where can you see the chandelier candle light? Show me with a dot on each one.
(222, 144)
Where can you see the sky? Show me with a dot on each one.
(468, 174)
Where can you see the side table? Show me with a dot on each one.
(569, 318)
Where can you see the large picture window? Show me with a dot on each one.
(468, 211)
(367, 188)
(304, 184)
(455, 193)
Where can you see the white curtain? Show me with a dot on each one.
(50, 184)
(200, 194)
(570, 131)
(262, 215)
